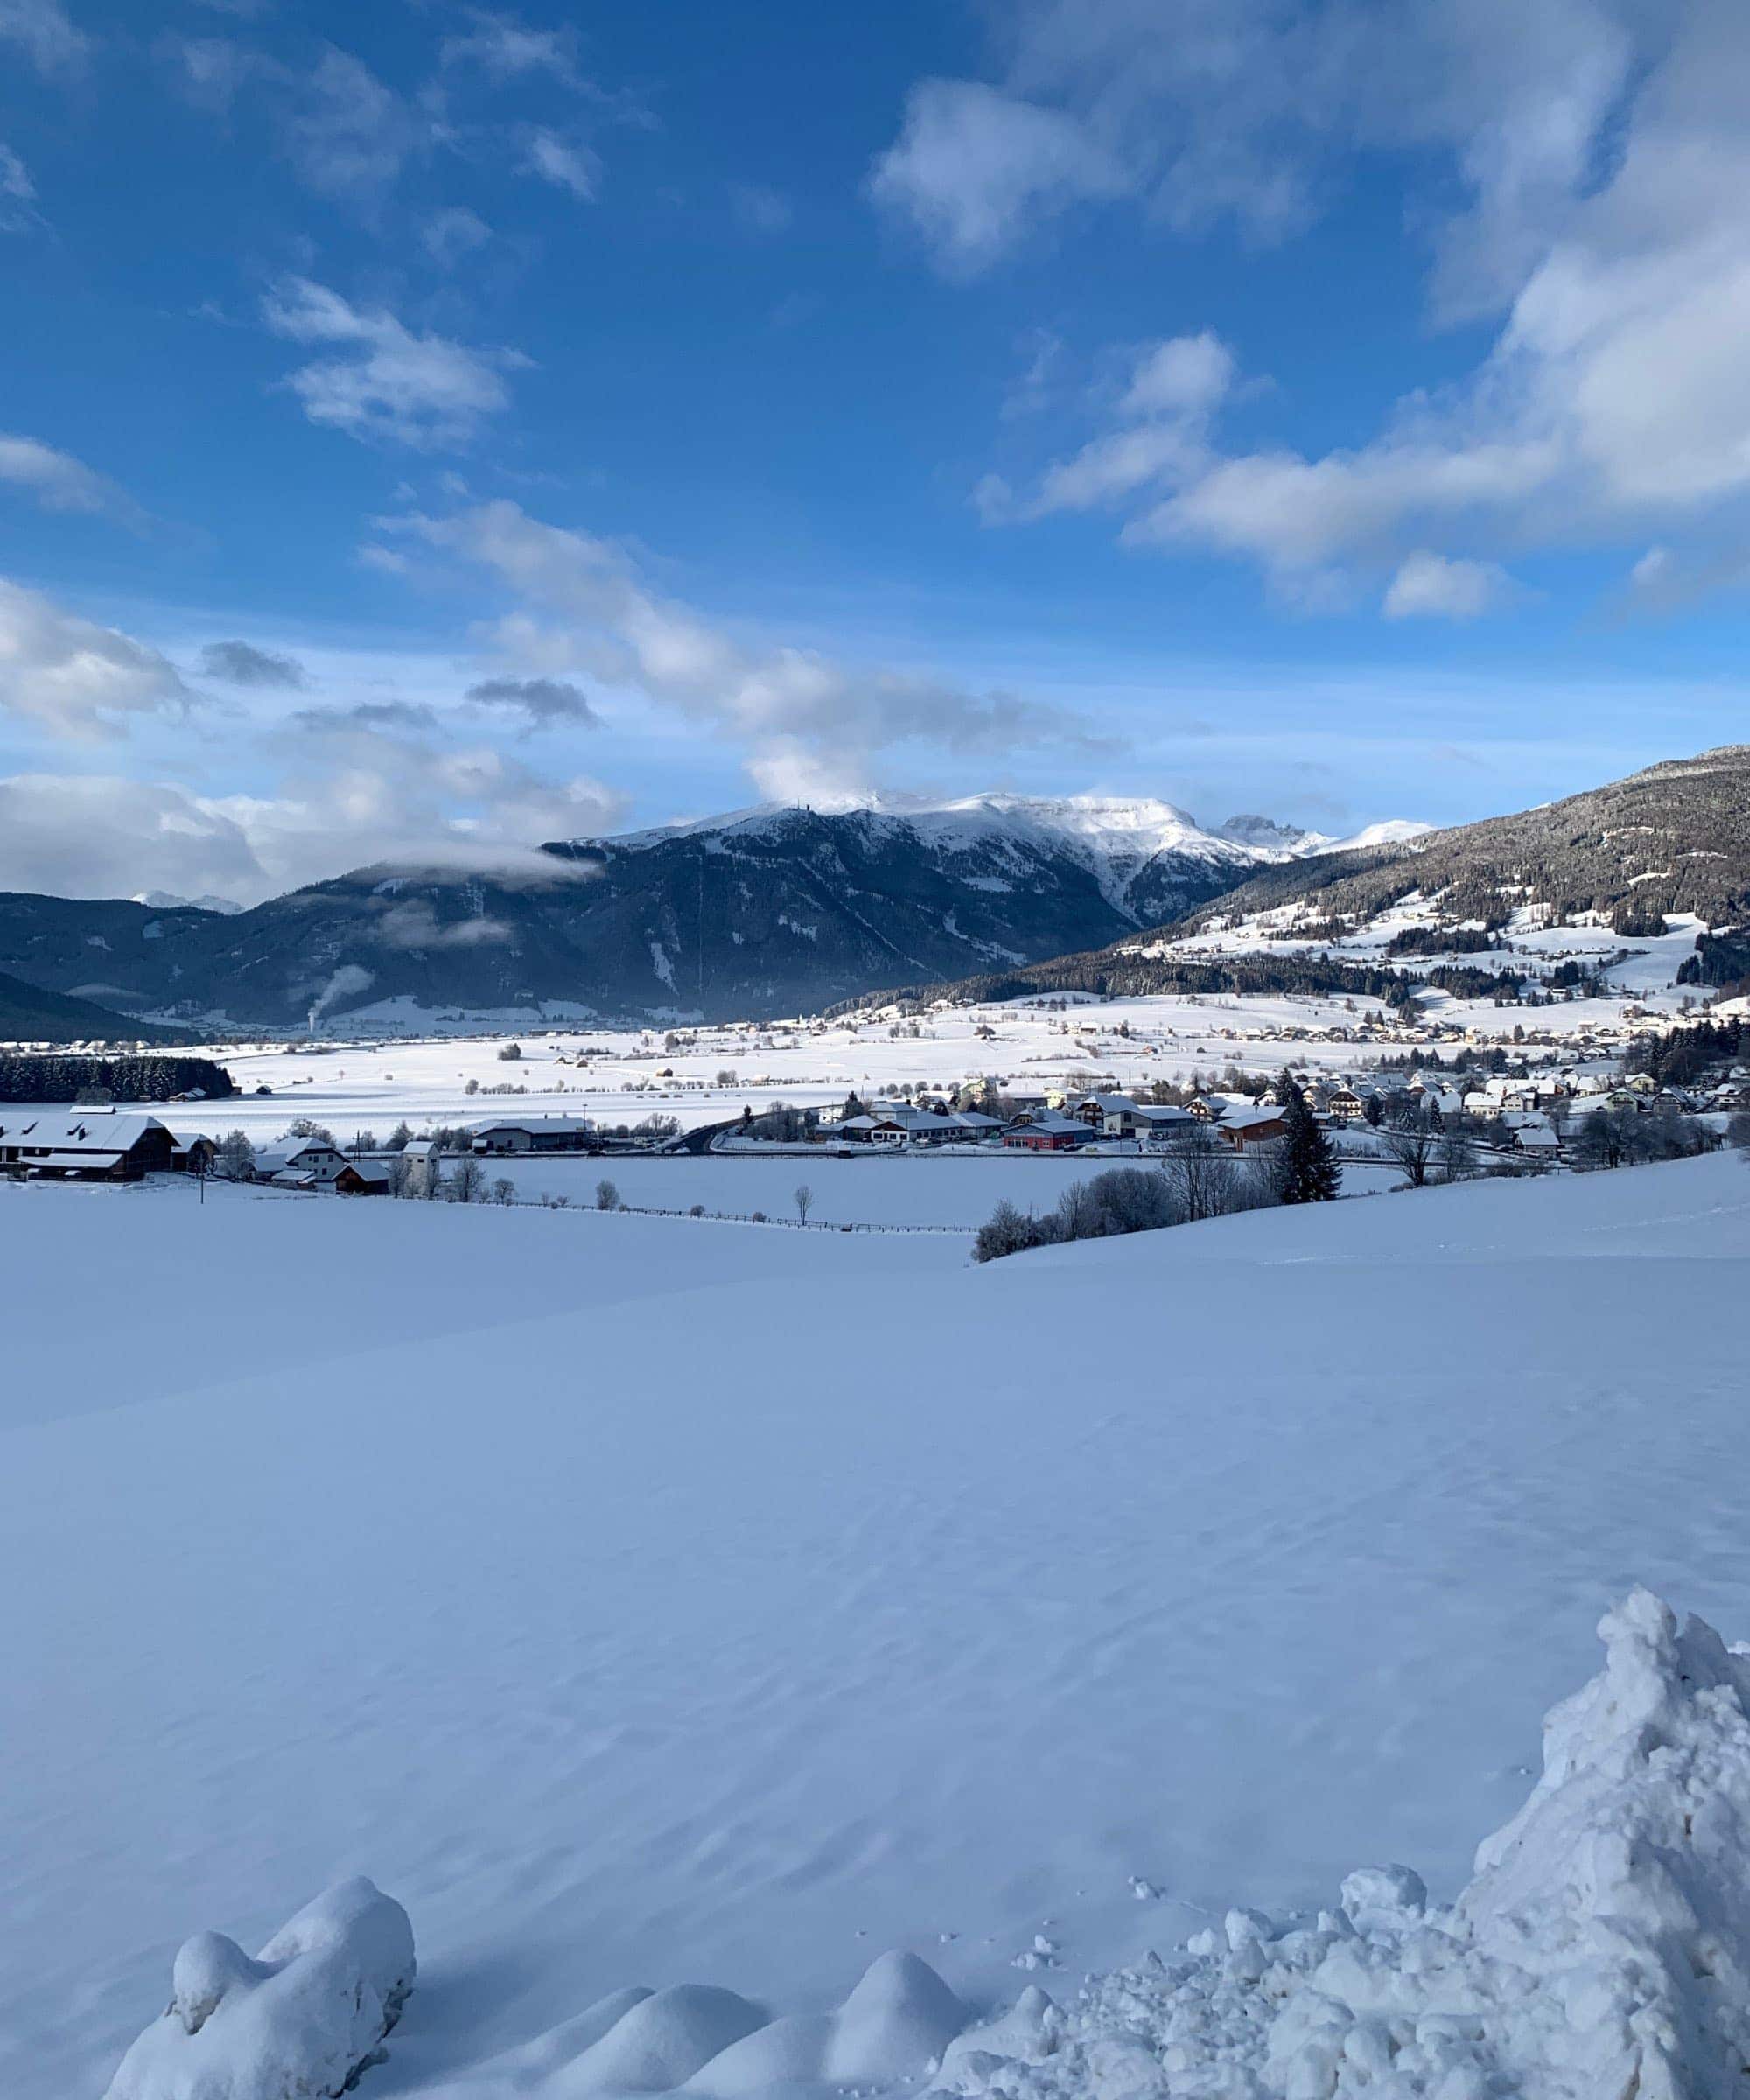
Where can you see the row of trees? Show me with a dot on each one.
(60, 1076)
(1201, 1177)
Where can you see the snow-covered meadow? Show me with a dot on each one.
(641, 1603)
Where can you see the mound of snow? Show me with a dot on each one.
(1603, 1949)
(300, 2022)
(893, 2029)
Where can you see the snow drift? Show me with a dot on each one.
(300, 2022)
(1601, 1951)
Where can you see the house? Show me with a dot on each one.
(85, 1144)
(1045, 1132)
(1343, 1104)
(1159, 1125)
(191, 1153)
(363, 1178)
(1244, 1129)
(300, 1162)
(424, 1160)
(537, 1134)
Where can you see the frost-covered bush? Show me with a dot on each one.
(607, 1196)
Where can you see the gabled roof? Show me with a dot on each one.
(77, 1130)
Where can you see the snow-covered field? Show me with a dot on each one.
(641, 1603)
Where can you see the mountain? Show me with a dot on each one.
(765, 912)
(162, 900)
(1673, 839)
(28, 1014)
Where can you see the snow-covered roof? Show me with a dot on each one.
(539, 1126)
(77, 1130)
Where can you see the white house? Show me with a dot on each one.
(300, 1163)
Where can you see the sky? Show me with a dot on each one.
(429, 429)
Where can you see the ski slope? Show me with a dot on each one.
(641, 1603)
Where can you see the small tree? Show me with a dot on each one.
(468, 1182)
(607, 1196)
(504, 1190)
(235, 1157)
(400, 1136)
(510, 1054)
(1415, 1144)
(301, 1126)
(804, 1200)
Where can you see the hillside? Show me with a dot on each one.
(623, 1657)
(1673, 839)
(1460, 908)
(768, 912)
(29, 1014)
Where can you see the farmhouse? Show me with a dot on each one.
(90, 1145)
(300, 1163)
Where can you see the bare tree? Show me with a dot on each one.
(804, 1200)
(607, 1196)
(504, 1190)
(1199, 1171)
(468, 1182)
(1416, 1145)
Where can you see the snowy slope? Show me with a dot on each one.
(643, 1603)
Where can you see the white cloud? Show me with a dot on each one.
(1437, 586)
(45, 33)
(504, 48)
(389, 382)
(760, 210)
(1172, 392)
(581, 608)
(1600, 152)
(453, 234)
(347, 131)
(101, 836)
(18, 213)
(75, 678)
(562, 162)
(59, 481)
(973, 167)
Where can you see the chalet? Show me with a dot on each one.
(85, 1144)
(537, 1134)
(363, 1178)
(300, 1163)
(1045, 1132)
(1343, 1104)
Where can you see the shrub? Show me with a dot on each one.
(607, 1196)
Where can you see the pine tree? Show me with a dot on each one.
(1309, 1169)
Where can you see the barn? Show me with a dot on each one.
(85, 1144)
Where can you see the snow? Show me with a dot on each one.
(642, 1604)
(300, 2022)
(1603, 1947)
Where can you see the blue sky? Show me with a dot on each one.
(427, 428)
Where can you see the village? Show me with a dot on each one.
(1525, 1118)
